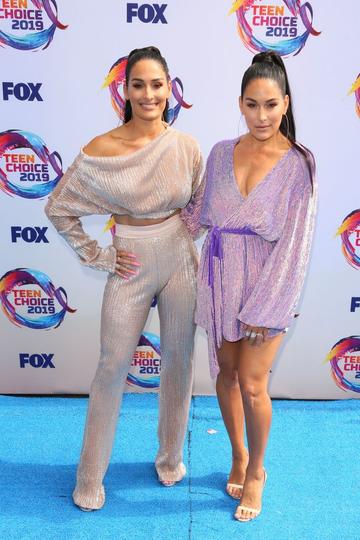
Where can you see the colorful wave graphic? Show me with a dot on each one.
(27, 276)
(147, 339)
(340, 349)
(115, 80)
(348, 226)
(110, 226)
(282, 47)
(36, 40)
(355, 88)
(12, 139)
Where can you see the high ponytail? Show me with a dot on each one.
(269, 65)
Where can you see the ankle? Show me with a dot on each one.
(240, 456)
(255, 473)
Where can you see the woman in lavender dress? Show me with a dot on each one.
(258, 202)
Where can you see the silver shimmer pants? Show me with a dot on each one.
(168, 261)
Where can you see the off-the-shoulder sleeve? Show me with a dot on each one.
(191, 213)
(68, 202)
(274, 298)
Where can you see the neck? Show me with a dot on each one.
(146, 128)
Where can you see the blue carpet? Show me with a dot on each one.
(312, 462)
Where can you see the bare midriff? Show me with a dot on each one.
(129, 220)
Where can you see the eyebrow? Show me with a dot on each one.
(267, 101)
(142, 80)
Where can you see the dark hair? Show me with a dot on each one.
(150, 53)
(269, 65)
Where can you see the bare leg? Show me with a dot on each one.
(254, 364)
(231, 406)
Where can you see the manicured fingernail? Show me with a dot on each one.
(134, 263)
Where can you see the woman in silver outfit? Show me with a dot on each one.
(143, 173)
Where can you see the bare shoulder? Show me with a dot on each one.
(106, 144)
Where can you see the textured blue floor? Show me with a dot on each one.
(313, 489)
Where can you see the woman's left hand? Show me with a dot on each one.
(256, 335)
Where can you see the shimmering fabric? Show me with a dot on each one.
(170, 275)
(151, 182)
(259, 279)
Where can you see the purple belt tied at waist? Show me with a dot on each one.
(216, 249)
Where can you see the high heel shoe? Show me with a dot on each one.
(254, 512)
(230, 486)
(232, 489)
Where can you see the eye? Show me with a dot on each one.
(137, 85)
(251, 105)
(272, 105)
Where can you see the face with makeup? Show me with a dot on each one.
(148, 89)
(263, 106)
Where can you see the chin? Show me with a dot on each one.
(149, 115)
(262, 136)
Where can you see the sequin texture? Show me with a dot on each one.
(151, 182)
(259, 280)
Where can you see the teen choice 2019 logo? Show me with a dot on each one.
(115, 80)
(349, 231)
(29, 298)
(27, 168)
(280, 26)
(28, 25)
(146, 365)
(344, 360)
(355, 88)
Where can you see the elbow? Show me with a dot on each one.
(49, 211)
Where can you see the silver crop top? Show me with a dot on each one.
(151, 182)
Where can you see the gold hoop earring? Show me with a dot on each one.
(287, 126)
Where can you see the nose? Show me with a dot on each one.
(262, 114)
(148, 92)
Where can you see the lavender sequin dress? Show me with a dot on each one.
(253, 271)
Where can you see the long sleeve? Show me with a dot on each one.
(70, 200)
(192, 211)
(274, 298)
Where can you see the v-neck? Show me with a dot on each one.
(263, 179)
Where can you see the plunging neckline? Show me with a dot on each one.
(263, 179)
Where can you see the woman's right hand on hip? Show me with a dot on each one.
(126, 264)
